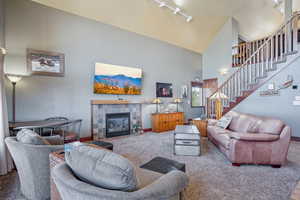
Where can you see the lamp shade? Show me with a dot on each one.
(219, 95)
(14, 78)
(156, 101)
(177, 100)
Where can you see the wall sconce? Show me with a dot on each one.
(223, 71)
(3, 51)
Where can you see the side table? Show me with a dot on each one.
(201, 125)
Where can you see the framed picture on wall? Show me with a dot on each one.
(45, 63)
(196, 94)
(164, 90)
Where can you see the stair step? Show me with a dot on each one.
(262, 77)
(290, 53)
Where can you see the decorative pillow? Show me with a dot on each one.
(27, 136)
(102, 168)
(224, 121)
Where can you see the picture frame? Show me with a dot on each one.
(184, 91)
(45, 63)
(197, 95)
(164, 90)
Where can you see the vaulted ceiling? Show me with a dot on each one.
(257, 18)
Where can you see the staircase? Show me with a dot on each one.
(267, 59)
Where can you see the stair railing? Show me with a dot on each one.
(273, 51)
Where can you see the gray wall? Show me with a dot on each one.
(219, 53)
(277, 106)
(84, 42)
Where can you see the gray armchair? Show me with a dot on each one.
(32, 162)
(152, 186)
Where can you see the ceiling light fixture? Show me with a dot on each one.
(175, 10)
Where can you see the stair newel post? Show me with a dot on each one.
(259, 61)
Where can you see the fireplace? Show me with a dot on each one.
(117, 124)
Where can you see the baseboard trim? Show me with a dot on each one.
(147, 130)
(297, 139)
(85, 139)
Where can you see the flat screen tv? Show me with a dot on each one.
(112, 79)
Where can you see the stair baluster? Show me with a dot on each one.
(256, 59)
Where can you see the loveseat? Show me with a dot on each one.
(251, 139)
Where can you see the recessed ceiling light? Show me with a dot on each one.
(162, 4)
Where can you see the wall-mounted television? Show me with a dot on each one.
(119, 80)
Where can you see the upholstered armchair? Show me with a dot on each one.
(32, 162)
(152, 186)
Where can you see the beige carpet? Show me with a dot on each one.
(211, 175)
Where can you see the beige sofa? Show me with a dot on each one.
(252, 139)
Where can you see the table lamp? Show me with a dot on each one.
(177, 101)
(14, 79)
(156, 101)
(218, 97)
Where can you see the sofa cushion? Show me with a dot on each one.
(261, 137)
(224, 121)
(244, 122)
(27, 136)
(102, 168)
(220, 135)
(272, 126)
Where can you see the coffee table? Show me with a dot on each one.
(187, 140)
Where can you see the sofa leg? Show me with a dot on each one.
(276, 166)
(236, 164)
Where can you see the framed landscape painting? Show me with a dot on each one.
(119, 80)
(45, 63)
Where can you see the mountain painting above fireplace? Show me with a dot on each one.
(111, 79)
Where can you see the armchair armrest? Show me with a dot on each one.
(165, 187)
(212, 122)
(255, 137)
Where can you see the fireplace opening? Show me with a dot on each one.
(117, 124)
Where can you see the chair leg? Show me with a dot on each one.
(236, 164)
(276, 166)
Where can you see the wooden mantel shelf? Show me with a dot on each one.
(112, 102)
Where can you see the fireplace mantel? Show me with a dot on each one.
(113, 102)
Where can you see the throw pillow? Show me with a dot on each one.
(27, 136)
(102, 168)
(224, 121)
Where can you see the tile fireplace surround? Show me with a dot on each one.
(99, 109)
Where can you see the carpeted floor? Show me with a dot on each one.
(211, 176)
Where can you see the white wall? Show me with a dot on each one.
(84, 42)
(219, 53)
(2, 41)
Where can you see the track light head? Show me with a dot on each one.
(189, 18)
(162, 4)
(177, 10)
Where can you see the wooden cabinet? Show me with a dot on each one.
(166, 121)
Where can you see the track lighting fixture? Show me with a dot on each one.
(176, 10)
